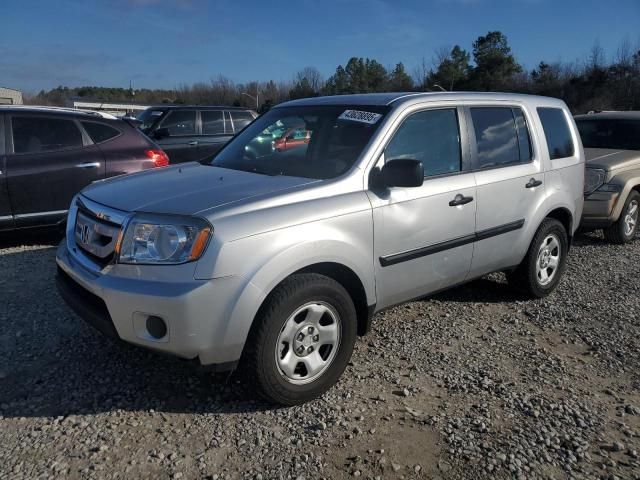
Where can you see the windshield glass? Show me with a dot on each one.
(318, 142)
(619, 134)
(148, 117)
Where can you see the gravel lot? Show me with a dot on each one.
(471, 383)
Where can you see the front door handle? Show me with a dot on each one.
(88, 165)
(460, 200)
(193, 143)
(533, 183)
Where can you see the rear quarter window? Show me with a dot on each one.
(99, 132)
(557, 132)
(241, 119)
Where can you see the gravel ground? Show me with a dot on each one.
(471, 383)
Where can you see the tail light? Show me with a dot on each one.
(159, 158)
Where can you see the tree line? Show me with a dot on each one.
(595, 83)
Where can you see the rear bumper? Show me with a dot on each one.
(599, 210)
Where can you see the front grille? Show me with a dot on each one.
(96, 237)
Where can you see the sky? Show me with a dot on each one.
(166, 43)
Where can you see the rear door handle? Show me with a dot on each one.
(88, 165)
(460, 200)
(193, 143)
(533, 183)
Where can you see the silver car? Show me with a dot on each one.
(276, 261)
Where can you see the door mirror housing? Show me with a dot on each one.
(161, 133)
(402, 172)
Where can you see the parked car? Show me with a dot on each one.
(279, 262)
(264, 143)
(191, 133)
(292, 138)
(48, 154)
(612, 186)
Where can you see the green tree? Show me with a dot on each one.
(302, 89)
(495, 64)
(452, 70)
(357, 75)
(338, 83)
(399, 79)
(376, 76)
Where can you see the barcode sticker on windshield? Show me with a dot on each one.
(360, 116)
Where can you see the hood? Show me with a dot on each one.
(185, 189)
(610, 159)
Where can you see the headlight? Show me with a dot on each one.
(593, 179)
(165, 240)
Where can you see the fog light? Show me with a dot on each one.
(156, 327)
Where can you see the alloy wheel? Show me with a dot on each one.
(548, 259)
(631, 218)
(308, 342)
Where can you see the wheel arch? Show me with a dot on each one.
(565, 217)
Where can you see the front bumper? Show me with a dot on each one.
(599, 209)
(196, 312)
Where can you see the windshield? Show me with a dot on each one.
(318, 142)
(149, 117)
(619, 134)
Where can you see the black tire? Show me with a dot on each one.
(525, 277)
(616, 233)
(259, 358)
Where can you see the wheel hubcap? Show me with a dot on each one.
(548, 259)
(308, 342)
(631, 218)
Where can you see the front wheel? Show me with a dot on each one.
(625, 229)
(540, 271)
(302, 339)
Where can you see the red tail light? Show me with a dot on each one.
(159, 158)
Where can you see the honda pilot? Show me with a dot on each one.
(275, 264)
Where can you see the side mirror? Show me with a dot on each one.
(161, 133)
(402, 172)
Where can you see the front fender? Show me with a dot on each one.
(628, 181)
(264, 261)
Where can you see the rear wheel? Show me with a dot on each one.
(625, 229)
(540, 271)
(302, 339)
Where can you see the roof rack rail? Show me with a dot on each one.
(46, 108)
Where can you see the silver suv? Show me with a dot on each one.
(276, 258)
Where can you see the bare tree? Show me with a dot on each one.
(313, 76)
(420, 73)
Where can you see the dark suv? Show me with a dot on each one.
(193, 133)
(48, 154)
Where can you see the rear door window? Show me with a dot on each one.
(43, 134)
(433, 137)
(499, 141)
(99, 132)
(557, 133)
(212, 122)
(241, 119)
(180, 122)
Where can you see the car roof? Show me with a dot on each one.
(57, 111)
(400, 98)
(611, 115)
